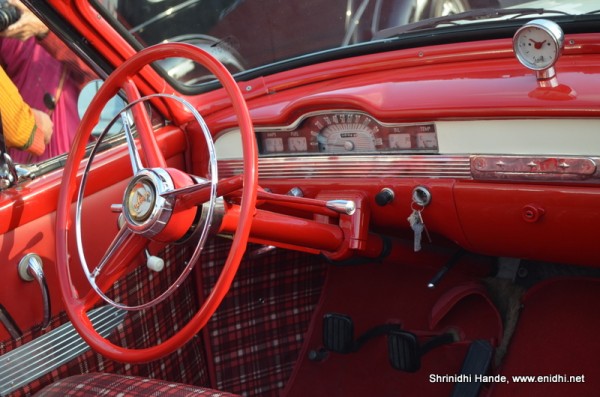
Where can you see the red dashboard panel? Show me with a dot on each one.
(539, 222)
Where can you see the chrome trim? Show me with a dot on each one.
(558, 38)
(357, 167)
(134, 156)
(536, 168)
(155, 221)
(421, 196)
(198, 228)
(30, 268)
(48, 352)
(471, 167)
(347, 207)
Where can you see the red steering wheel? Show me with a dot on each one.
(177, 211)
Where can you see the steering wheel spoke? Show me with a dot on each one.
(136, 162)
(117, 261)
(125, 246)
(154, 157)
(200, 193)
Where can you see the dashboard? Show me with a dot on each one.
(339, 143)
(341, 133)
(345, 132)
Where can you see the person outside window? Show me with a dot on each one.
(23, 128)
(48, 75)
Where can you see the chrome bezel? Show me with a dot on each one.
(552, 29)
(134, 206)
(154, 222)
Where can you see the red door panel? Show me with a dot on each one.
(30, 228)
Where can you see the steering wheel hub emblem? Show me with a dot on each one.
(146, 211)
(140, 199)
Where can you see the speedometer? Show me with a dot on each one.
(345, 133)
(346, 138)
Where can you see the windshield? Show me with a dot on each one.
(247, 34)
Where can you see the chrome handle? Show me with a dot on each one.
(30, 268)
(347, 207)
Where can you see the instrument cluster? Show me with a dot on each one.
(345, 132)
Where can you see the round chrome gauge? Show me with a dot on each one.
(538, 44)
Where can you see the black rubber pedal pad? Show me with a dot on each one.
(338, 333)
(404, 352)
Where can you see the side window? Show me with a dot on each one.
(49, 77)
(108, 117)
(51, 80)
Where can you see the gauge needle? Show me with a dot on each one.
(537, 44)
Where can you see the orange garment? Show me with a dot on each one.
(18, 121)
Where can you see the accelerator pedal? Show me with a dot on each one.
(477, 362)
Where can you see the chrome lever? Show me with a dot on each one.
(30, 268)
(347, 207)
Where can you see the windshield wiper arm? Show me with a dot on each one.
(472, 15)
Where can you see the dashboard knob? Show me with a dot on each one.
(385, 196)
(532, 213)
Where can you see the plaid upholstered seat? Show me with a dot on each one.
(111, 385)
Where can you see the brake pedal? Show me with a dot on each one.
(404, 352)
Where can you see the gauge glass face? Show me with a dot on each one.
(536, 47)
(348, 133)
(427, 140)
(400, 141)
(297, 144)
(342, 138)
(140, 200)
(273, 145)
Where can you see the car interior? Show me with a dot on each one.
(383, 210)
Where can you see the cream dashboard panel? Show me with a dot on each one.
(540, 137)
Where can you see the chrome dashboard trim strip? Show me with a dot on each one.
(509, 168)
(361, 166)
(535, 168)
(48, 352)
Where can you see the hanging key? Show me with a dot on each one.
(416, 224)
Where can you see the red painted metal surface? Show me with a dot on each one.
(480, 80)
(416, 83)
(34, 228)
(538, 222)
(464, 80)
(41, 194)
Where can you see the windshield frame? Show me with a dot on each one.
(479, 30)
